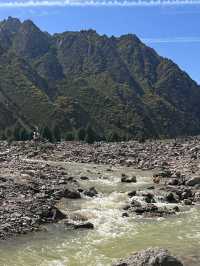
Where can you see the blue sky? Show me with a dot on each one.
(171, 27)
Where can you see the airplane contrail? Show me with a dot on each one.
(123, 3)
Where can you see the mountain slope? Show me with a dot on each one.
(75, 78)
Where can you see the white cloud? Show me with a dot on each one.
(172, 40)
(125, 3)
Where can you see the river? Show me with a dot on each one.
(113, 236)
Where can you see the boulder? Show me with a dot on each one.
(86, 225)
(149, 198)
(176, 209)
(187, 193)
(171, 198)
(91, 192)
(193, 181)
(53, 214)
(78, 225)
(148, 208)
(150, 211)
(72, 194)
(150, 257)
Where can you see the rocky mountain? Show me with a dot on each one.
(73, 79)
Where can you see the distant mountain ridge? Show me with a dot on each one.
(73, 79)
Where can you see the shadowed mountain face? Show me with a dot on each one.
(75, 78)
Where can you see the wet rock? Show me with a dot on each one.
(55, 214)
(125, 214)
(86, 225)
(80, 225)
(176, 209)
(91, 192)
(187, 193)
(128, 179)
(148, 208)
(150, 257)
(151, 188)
(171, 198)
(187, 202)
(135, 203)
(151, 210)
(149, 198)
(72, 194)
(126, 207)
(84, 178)
(132, 193)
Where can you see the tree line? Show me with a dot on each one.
(54, 134)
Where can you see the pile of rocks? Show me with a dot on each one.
(29, 193)
(150, 257)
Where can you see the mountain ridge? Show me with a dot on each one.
(72, 79)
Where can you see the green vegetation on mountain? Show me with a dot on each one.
(83, 85)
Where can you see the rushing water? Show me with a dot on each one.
(113, 236)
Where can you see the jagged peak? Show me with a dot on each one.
(29, 25)
(13, 20)
(130, 37)
(11, 24)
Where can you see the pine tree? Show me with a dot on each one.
(81, 134)
(69, 136)
(9, 135)
(16, 133)
(3, 136)
(47, 134)
(114, 137)
(57, 133)
(90, 135)
(24, 135)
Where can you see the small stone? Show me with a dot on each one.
(127, 179)
(187, 202)
(132, 193)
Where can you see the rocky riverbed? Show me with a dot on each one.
(33, 182)
(175, 154)
(176, 164)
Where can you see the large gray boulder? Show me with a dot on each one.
(150, 257)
